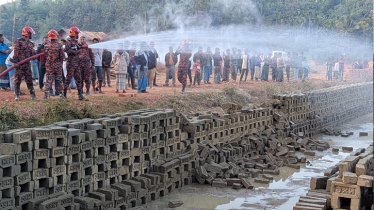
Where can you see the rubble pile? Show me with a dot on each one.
(125, 160)
(347, 185)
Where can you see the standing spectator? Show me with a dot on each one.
(11, 73)
(199, 55)
(257, 63)
(185, 54)
(107, 60)
(304, 66)
(121, 62)
(171, 59)
(274, 69)
(4, 52)
(197, 70)
(142, 58)
(152, 48)
(72, 64)
(132, 69)
(280, 66)
(234, 61)
(86, 63)
(152, 64)
(42, 63)
(287, 65)
(296, 66)
(97, 70)
(329, 68)
(23, 48)
(265, 68)
(245, 64)
(252, 65)
(226, 66)
(207, 65)
(189, 74)
(341, 67)
(217, 62)
(35, 71)
(300, 63)
(240, 61)
(54, 56)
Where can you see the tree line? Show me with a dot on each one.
(350, 17)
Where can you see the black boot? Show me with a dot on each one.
(80, 94)
(17, 92)
(64, 95)
(32, 92)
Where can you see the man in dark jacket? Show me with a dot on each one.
(106, 61)
(42, 63)
(171, 60)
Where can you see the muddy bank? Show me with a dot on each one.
(283, 192)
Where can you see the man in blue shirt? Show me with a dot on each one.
(4, 51)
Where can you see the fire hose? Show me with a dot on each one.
(20, 63)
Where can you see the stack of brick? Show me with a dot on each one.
(347, 185)
(127, 159)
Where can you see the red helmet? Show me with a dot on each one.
(52, 34)
(27, 31)
(74, 31)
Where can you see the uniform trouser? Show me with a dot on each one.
(23, 71)
(170, 73)
(106, 73)
(244, 72)
(56, 75)
(217, 74)
(42, 71)
(151, 76)
(86, 76)
(73, 70)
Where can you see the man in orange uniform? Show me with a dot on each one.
(54, 56)
(72, 64)
(23, 48)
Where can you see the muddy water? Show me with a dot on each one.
(283, 192)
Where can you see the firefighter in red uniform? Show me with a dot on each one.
(54, 56)
(72, 64)
(87, 62)
(23, 48)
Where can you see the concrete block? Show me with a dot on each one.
(365, 181)
(318, 182)
(349, 178)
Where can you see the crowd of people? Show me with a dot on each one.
(71, 63)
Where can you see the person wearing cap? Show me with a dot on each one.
(23, 49)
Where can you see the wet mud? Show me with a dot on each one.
(284, 191)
